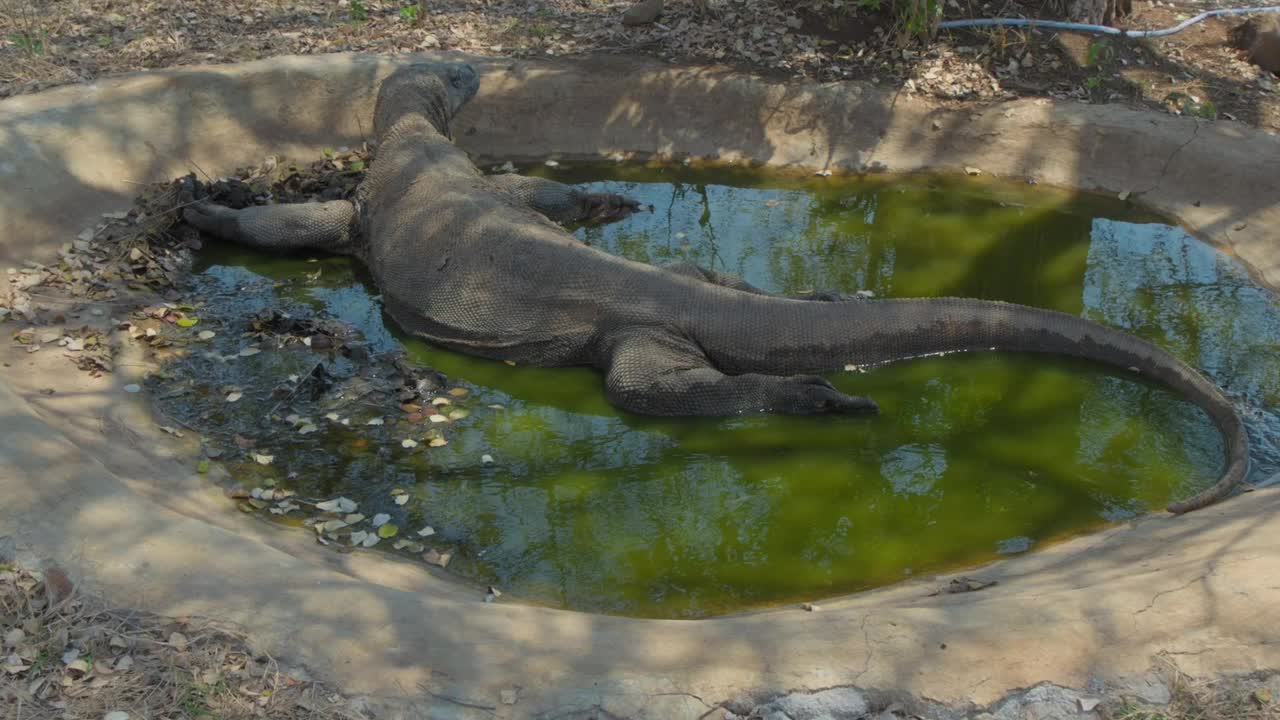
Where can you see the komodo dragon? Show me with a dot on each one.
(474, 264)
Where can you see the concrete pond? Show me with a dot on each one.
(92, 482)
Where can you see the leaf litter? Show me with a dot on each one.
(236, 367)
(67, 654)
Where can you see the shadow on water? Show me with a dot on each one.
(973, 456)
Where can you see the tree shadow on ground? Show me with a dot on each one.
(403, 628)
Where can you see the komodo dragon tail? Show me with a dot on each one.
(789, 336)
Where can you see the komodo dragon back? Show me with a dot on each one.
(476, 265)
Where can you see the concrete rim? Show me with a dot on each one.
(88, 481)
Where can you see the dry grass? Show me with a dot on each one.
(68, 656)
(1193, 699)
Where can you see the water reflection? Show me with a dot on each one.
(592, 509)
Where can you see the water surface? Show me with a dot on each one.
(973, 455)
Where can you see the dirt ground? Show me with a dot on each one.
(52, 42)
(66, 655)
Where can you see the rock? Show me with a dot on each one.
(1043, 702)
(643, 12)
(1259, 37)
(839, 703)
(1149, 688)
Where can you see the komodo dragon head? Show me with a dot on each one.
(435, 90)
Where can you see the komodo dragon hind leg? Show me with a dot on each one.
(734, 282)
(322, 226)
(653, 372)
(562, 203)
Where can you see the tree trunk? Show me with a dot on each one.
(1098, 12)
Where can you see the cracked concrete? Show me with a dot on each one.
(87, 479)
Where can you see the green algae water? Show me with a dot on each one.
(972, 457)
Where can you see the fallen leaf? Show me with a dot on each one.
(206, 334)
(380, 519)
(234, 396)
(262, 459)
(202, 467)
(358, 537)
(249, 351)
(438, 419)
(427, 531)
(171, 430)
(459, 392)
(178, 641)
(374, 421)
(408, 443)
(486, 459)
(437, 442)
(307, 429)
(370, 540)
(401, 499)
(340, 504)
(388, 530)
(189, 321)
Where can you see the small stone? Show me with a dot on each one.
(1087, 704)
(972, 171)
(809, 607)
(486, 459)
(132, 388)
(509, 696)
(439, 559)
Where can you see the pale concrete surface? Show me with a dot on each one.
(88, 480)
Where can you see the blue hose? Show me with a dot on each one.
(1100, 29)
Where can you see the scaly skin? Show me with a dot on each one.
(474, 264)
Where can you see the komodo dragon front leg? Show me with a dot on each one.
(655, 372)
(562, 203)
(326, 226)
(734, 282)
